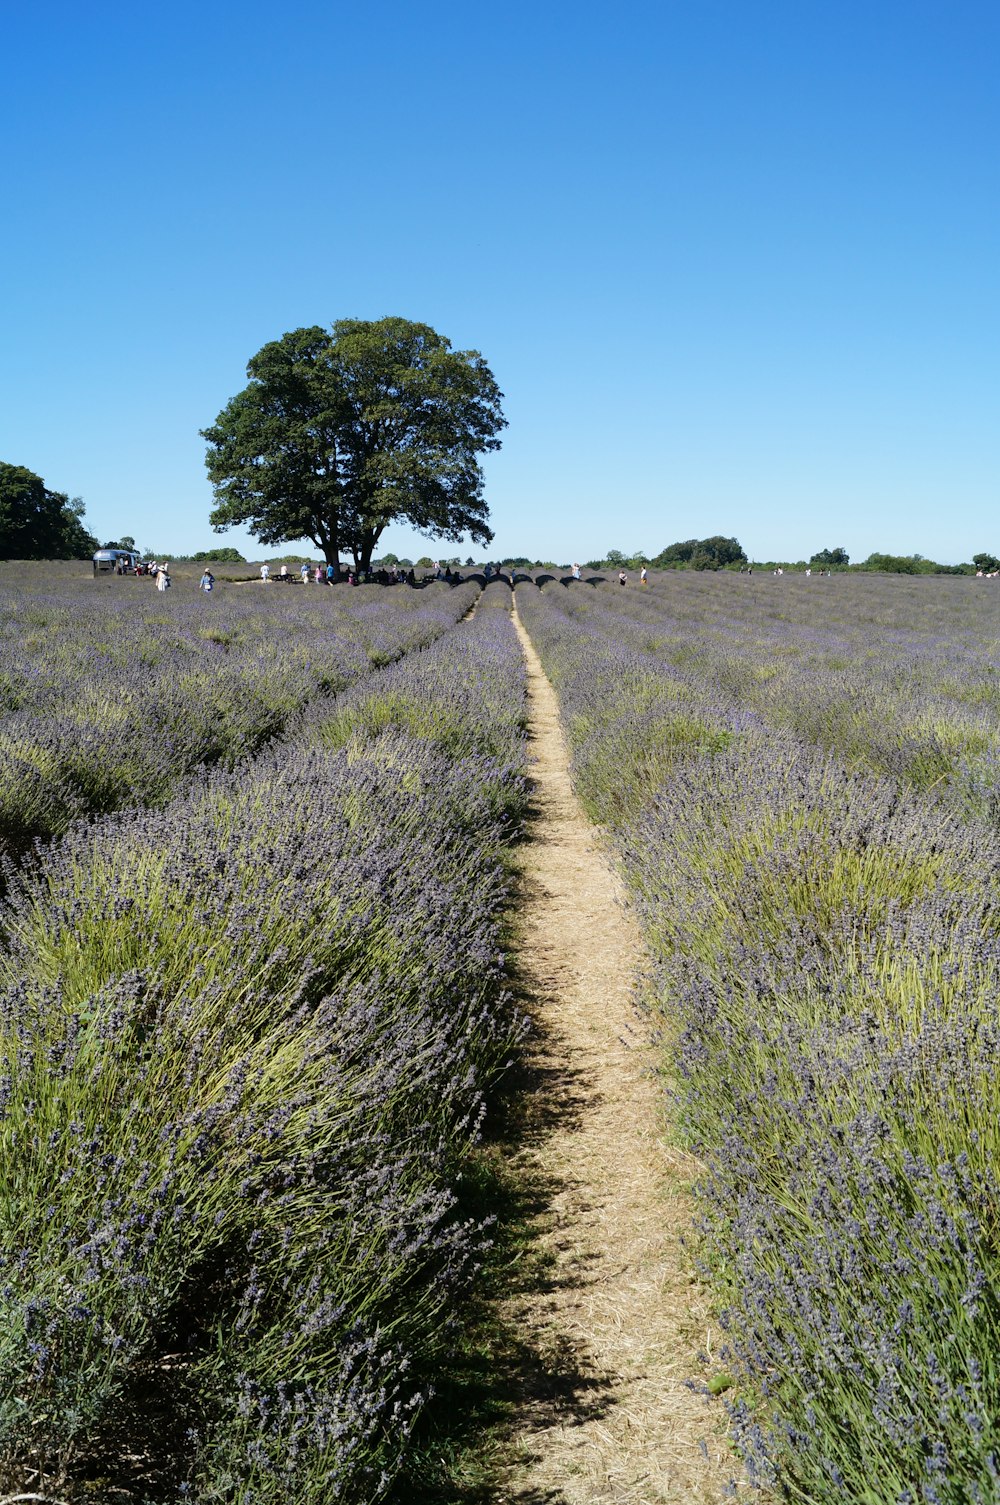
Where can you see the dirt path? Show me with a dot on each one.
(618, 1321)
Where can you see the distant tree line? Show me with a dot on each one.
(693, 554)
(718, 553)
(218, 556)
(203, 556)
(916, 564)
(38, 523)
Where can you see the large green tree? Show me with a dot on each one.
(36, 523)
(700, 554)
(340, 433)
(830, 556)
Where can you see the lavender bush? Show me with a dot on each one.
(247, 1044)
(466, 704)
(827, 968)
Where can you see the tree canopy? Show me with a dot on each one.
(340, 433)
(900, 564)
(700, 554)
(36, 523)
(218, 556)
(830, 557)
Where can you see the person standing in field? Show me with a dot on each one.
(643, 577)
(304, 572)
(576, 572)
(207, 581)
(265, 573)
(622, 577)
(283, 572)
(162, 578)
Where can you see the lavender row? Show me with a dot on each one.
(826, 947)
(247, 1045)
(112, 693)
(896, 676)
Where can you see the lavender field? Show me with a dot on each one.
(255, 1012)
(800, 779)
(111, 693)
(253, 1003)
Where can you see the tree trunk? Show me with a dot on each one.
(327, 540)
(369, 538)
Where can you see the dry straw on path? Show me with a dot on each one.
(619, 1319)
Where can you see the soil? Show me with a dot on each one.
(607, 1415)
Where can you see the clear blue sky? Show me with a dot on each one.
(735, 265)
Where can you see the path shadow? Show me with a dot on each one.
(511, 1378)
